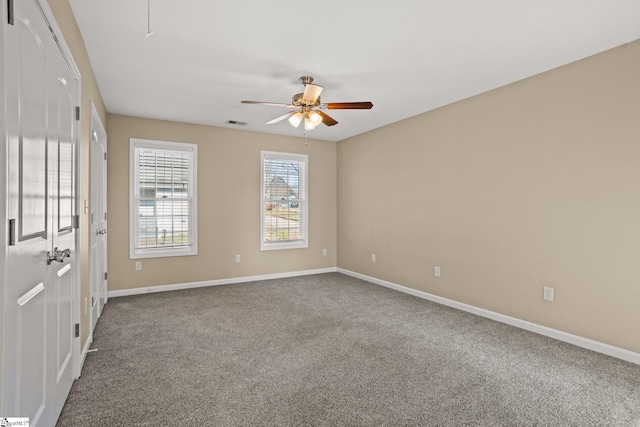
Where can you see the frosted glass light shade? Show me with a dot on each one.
(315, 118)
(295, 119)
(308, 123)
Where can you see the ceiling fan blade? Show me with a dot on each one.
(349, 105)
(311, 93)
(326, 119)
(276, 104)
(280, 118)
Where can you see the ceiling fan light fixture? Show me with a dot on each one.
(308, 123)
(296, 119)
(315, 118)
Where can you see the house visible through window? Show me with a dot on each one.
(163, 199)
(284, 201)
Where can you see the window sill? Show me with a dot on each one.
(162, 253)
(283, 245)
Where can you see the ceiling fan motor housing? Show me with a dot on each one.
(299, 101)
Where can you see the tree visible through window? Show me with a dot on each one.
(284, 201)
(163, 199)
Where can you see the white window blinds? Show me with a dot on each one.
(163, 199)
(284, 201)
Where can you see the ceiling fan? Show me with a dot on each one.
(308, 107)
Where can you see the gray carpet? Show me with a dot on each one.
(331, 350)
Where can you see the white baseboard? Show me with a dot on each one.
(587, 343)
(165, 288)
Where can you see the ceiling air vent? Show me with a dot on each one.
(236, 123)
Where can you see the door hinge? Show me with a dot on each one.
(77, 330)
(105, 156)
(12, 232)
(76, 221)
(77, 113)
(105, 275)
(10, 12)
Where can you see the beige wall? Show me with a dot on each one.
(530, 185)
(228, 205)
(90, 93)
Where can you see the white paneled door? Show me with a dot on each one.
(40, 278)
(98, 217)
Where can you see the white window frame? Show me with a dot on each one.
(303, 200)
(192, 149)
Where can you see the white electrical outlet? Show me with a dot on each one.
(138, 265)
(324, 252)
(547, 293)
(436, 271)
(237, 258)
(373, 257)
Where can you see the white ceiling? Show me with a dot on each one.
(406, 56)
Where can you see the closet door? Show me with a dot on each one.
(40, 274)
(61, 294)
(98, 267)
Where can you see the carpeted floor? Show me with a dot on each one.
(332, 350)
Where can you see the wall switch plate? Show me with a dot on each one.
(547, 293)
(436, 271)
(237, 258)
(324, 252)
(373, 257)
(138, 265)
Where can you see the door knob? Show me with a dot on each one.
(58, 255)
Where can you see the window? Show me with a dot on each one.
(162, 198)
(283, 219)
